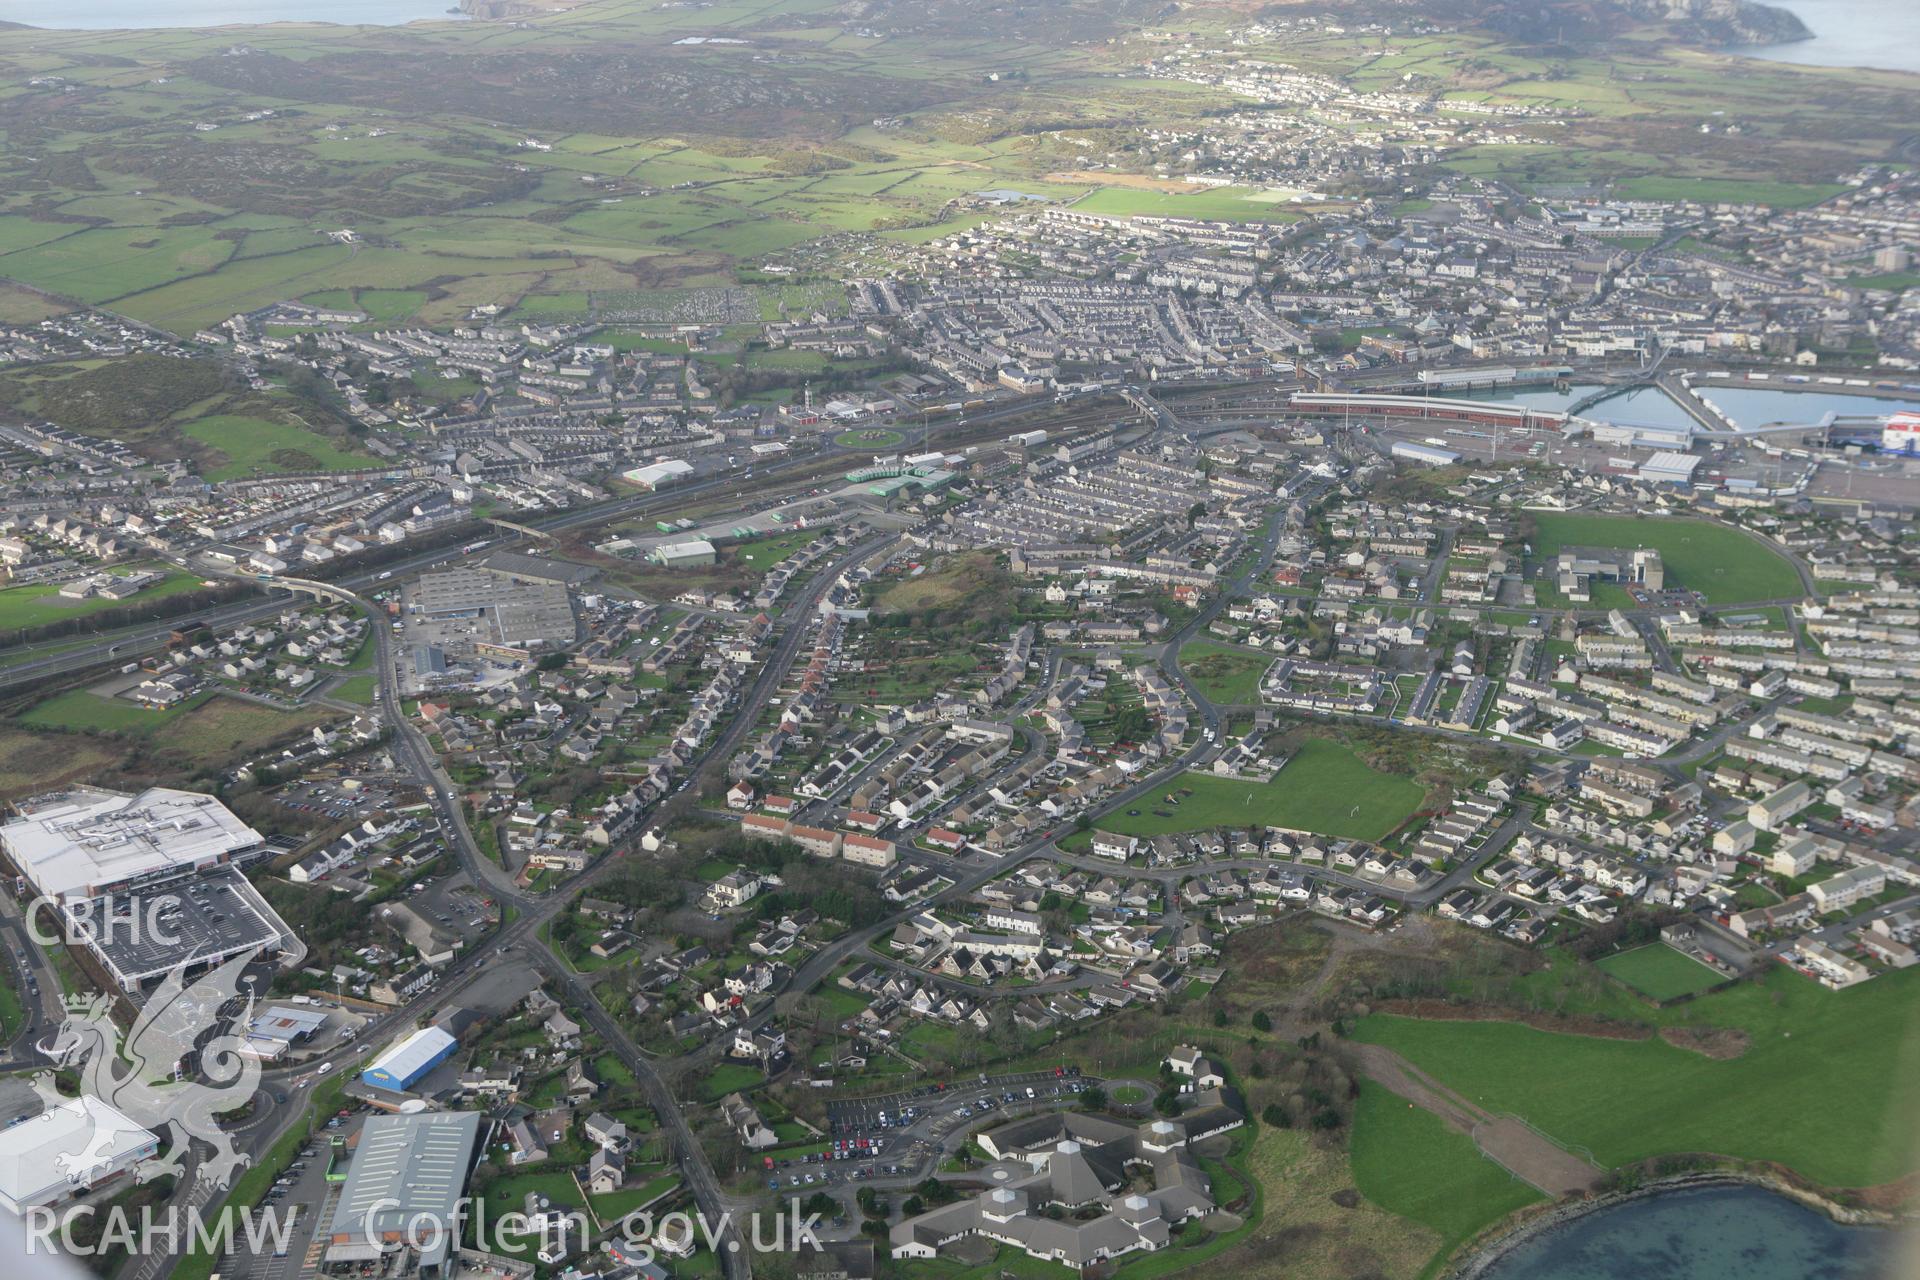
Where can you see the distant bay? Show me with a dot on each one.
(107, 15)
(1883, 34)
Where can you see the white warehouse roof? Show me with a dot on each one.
(1424, 453)
(71, 1144)
(88, 842)
(655, 472)
(681, 550)
(1667, 465)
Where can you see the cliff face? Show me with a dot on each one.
(501, 10)
(1724, 22)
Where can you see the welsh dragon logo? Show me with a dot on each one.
(137, 1075)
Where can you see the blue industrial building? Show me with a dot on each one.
(405, 1061)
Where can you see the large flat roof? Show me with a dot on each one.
(406, 1165)
(202, 921)
(70, 1144)
(88, 842)
(521, 611)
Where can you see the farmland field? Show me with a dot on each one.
(1627, 1100)
(188, 190)
(1723, 564)
(1324, 788)
(1660, 973)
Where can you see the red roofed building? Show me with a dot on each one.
(817, 841)
(868, 851)
(757, 826)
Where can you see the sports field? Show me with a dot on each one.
(1627, 1100)
(1660, 973)
(1324, 788)
(1723, 564)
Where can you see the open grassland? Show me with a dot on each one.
(1305, 1232)
(254, 446)
(1661, 973)
(1324, 788)
(28, 765)
(1628, 1100)
(1407, 1161)
(950, 583)
(35, 603)
(1223, 674)
(206, 729)
(170, 409)
(764, 553)
(1723, 564)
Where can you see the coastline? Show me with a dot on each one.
(1479, 1258)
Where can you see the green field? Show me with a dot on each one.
(765, 553)
(85, 710)
(869, 439)
(1324, 788)
(1723, 564)
(358, 689)
(1409, 1162)
(1223, 674)
(37, 603)
(205, 729)
(1627, 1100)
(254, 446)
(1887, 280)
(1660, 973)
(729, 1077)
